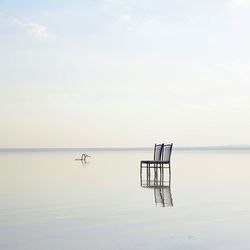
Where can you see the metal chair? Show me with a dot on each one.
(161, 185)
(162, 154)
(157, 156)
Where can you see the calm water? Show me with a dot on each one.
(51, 201)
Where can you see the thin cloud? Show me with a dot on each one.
(244, 3)
(35, 29)
(125, 19)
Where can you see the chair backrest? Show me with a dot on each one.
(158, 152)
(166, 153)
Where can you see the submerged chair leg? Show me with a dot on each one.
(169, 172)
(141, 173)
(140, 169)
(154, 170)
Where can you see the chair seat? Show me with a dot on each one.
(152, 162)
(161, 162)
(146, 161)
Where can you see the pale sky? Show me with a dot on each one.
(124, 73)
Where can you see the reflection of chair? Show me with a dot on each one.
(163, 196)
(160, 184)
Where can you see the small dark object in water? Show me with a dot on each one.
(83, 157)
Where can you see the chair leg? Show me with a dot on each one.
(148, 175)
(169, 173)
(141, 172)
(161, 169)
(147, 172)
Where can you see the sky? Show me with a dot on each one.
(107, 73)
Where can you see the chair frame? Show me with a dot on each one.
(157, 163)
(149, 162)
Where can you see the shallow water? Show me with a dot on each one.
(51, 201)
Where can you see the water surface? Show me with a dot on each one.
(51, 201)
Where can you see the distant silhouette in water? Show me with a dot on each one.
(83, 157)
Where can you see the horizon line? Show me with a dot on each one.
(178, 148)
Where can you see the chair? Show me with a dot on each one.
(157, 156)
(162, 191)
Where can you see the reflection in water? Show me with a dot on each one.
(160, 181)
(84, 163)
(83, 159)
